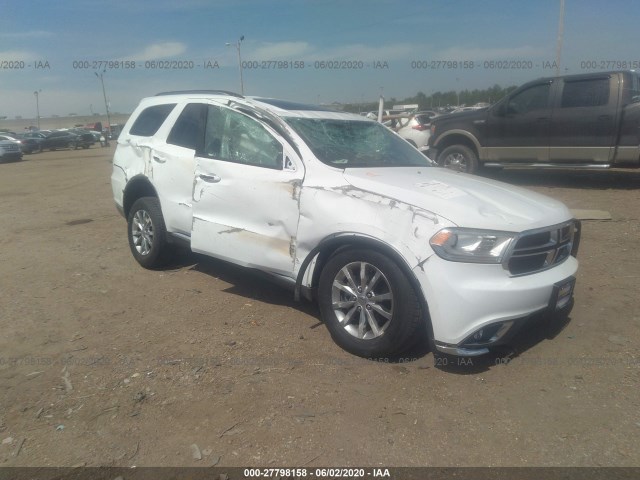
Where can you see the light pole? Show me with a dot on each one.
(37, 94)
(237, 45)
(106, 104)
(560, 35)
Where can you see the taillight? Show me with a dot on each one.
(419, 127)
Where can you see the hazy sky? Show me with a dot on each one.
(55, 47)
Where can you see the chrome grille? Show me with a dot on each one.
(541, 249)
(10, 147)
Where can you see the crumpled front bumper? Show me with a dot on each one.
(474, 307)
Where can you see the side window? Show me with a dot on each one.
(150, 119)
(188, 130)
(237, 138)
(634, 88)
(534, 98)
(585, 93)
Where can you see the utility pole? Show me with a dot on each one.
(237, 45)
(560, 35)
(104, 94)
(37, 94)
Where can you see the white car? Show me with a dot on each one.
(347, 213)
(417, 131)
(10, 149)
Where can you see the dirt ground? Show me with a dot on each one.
(103, 363)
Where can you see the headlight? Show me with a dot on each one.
(472, 246)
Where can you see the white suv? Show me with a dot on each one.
(346, 212)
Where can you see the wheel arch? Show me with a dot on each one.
(138, 187)
(459, 137)
(335, 243)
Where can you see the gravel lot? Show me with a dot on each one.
(105, 363)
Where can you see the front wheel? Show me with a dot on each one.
(147, 233)
(368, 304)
(459, 158)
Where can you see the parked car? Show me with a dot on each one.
(9, 149)
(11, 138)
(347, 213)
(59, 139)
(85, 138)
(466, 109)
(428, 113)
(28, 144)
(417, 131)
(589, 120)
(98, 137)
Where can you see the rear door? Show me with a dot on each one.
(246, 189)
(583, 124)
(174, 162)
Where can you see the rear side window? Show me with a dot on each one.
(150, 119)
(188, 132)
(586, 93)
(634, 88)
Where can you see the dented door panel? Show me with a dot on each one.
(246, 214)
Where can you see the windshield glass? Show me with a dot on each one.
(356, 144)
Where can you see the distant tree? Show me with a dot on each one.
(438, 99)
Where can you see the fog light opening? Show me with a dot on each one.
(488, 334)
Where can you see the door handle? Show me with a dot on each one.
(159, 160)
(210, 178)
(604, 117)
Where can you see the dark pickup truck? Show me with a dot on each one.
(575, 121)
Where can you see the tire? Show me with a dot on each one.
(147, 233)
(459, 158)
(363, 324)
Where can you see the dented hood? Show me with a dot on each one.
(465, 200)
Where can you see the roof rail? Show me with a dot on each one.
(187, 92)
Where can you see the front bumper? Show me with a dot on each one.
(11, 156)
(474, 307)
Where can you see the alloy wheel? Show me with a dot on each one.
(142, 232)
(362, 300)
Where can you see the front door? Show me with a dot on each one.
(246, 190)
(518, 128)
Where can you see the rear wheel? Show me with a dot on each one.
(459, 158)
(367, 303)
(147, 233)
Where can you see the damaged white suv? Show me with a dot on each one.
(346, 212)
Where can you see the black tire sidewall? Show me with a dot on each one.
(406, 315)
(157, 256)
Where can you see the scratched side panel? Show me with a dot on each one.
(344, 208)
(249, 216)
